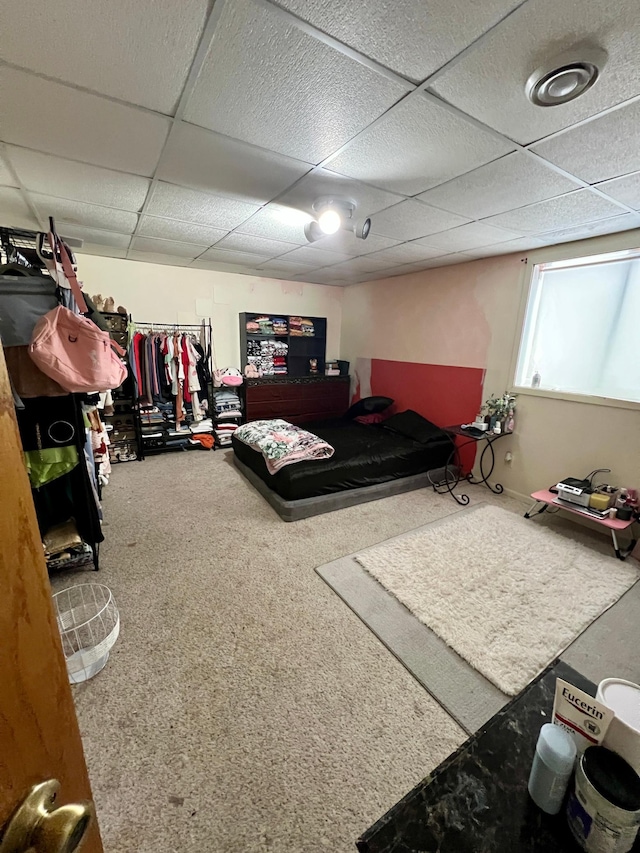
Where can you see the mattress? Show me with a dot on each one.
(365, 455)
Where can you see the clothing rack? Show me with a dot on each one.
(165, 438)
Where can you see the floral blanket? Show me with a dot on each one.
(282, 443)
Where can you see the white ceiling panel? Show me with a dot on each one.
(277, 222)
(216, 266)
(255, 245)
(203, 209)
(103, 251)
(77, 125)
(80, 213)
(94, 235)
(50, 175)
(450, 260)
(412, 37)
(6, 178)
(228, 256)
(415, 146)
(467, 237)
(270, 84)
(284, 269)
(14, 211)
(167, 247)
(489, 82)
(322, 182)
(626, 222)
(315, 257)
(366, 263)
(411, 219)
(522, 244)
(606, 147)
(564, 211)
(406, 253)
(157, 258)
(138, 52)
(208, 161)
(509, 182)
(184, 232)
(347, 243)
(625, 189)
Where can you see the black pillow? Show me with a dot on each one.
(412, 425)
(368, 406)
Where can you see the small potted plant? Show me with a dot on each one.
(501, 410)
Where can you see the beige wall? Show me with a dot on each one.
(469, 315)
(154, 292)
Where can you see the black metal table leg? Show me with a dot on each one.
(450, 484)
(484, 478)
(529, 513)
(622, 553)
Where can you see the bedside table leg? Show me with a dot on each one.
(529, 512)
(622, 554)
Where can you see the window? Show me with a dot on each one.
(581, 333)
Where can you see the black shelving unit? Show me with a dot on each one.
(123, 425)
(301, 348)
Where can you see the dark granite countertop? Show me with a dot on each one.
(476, 801)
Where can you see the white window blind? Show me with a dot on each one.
(581, 333)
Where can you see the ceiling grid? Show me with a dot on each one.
(249, 94)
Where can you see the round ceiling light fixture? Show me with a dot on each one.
(334, 214)
(566, 77)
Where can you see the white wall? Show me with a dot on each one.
(165, 294)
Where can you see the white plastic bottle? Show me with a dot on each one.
(552, 768)
(535, 381)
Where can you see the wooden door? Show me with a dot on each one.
(39, 736)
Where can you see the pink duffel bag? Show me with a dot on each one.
(70, 348)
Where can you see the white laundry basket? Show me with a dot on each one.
(89, 625)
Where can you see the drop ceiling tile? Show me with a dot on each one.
(14, 211)
(327, 276)
(228, 256)
(138, 52)
(522, 244)
(6, 178)
(450, 260)
(74, 124)
(167, 247)
(406, 253)
(489, 82)
(269, 83)
(411, 219)
(606, 147)
(277, 222)
(467, 237)
(347, 243)
(314, 257)
(625, 189)
(185, 232)
(80, 213)
(323, 182)
(191, 206)
(94, 235)
(55, 176)
(412, 38)
(255, 245)
(157, 258)
(613, 225)
(287, 266)
(97, 249)
(509, 182)
(564, 211)
(366, 263)
(213, 163)
(415, 146)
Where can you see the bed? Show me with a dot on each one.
(370, 462)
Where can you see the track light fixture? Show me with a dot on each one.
(333, 215)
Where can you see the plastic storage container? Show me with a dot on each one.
(552, 768)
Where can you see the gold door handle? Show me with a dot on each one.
(37, 825)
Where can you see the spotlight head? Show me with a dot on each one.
(312, 231)
(361, 228)
(329, 220)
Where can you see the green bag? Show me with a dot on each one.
(46, 465)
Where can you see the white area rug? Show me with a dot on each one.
(507, 595)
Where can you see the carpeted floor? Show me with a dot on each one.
(245, 708)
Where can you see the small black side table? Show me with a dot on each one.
(453, 468)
